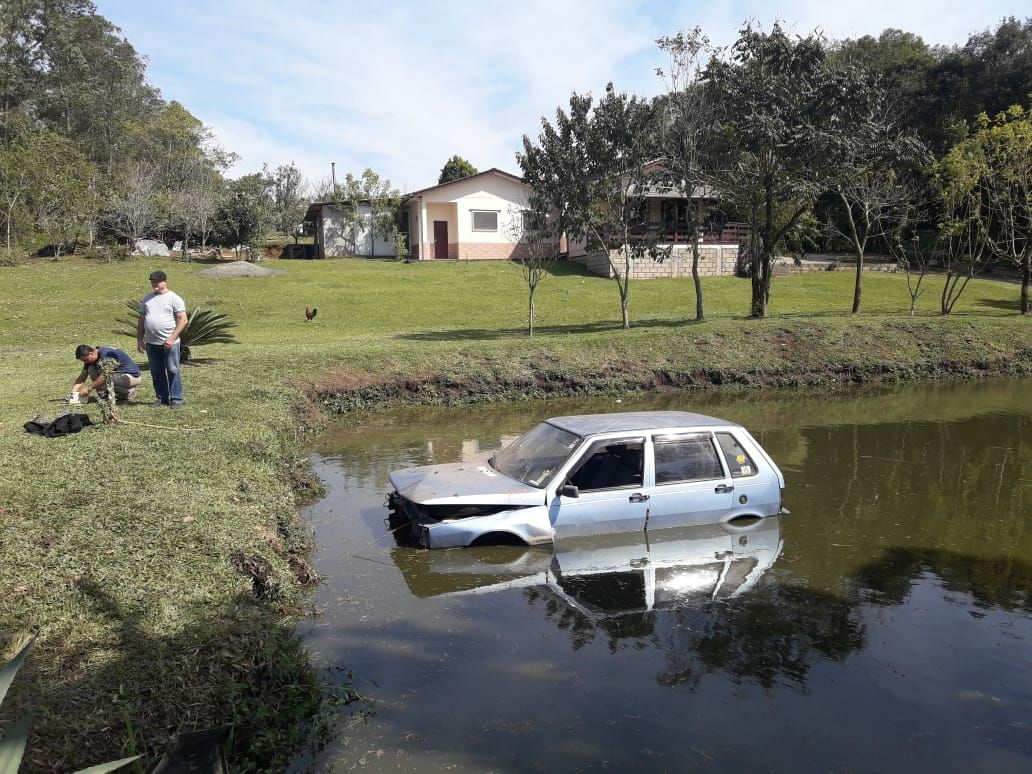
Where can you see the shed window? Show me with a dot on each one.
(485, 220)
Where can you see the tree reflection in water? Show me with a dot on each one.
(775, 633)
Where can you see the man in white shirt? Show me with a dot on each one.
(162, 319)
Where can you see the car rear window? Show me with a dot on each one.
(686, 458)
(738, 460)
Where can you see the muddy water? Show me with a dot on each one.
(886, 625)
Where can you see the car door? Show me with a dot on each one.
(690, 485)
(604, 490)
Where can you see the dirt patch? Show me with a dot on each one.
(240, 269)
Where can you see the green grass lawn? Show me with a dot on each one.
(115, 544)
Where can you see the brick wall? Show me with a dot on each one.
(475, 251)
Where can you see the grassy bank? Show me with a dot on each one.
(117, 543)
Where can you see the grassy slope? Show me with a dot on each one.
(115, 542)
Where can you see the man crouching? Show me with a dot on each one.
(125, 378)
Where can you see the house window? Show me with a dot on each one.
(485, 220)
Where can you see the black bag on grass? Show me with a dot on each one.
(65, 424)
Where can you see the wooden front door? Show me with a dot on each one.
(440, 239)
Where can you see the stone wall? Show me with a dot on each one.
(714, 261)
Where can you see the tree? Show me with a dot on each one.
(537, 249)
(687, 136)
(133, 206)
(986, 184)
(384, 203)
(289, 200)
(245, 211)
(201, 204)
(903, 62)
(64, 200)
(785, 112)
(871, 187)
(455, 168)
(1002, 148)
(592, 174)
(21, 158)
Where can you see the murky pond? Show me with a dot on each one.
(886, 625)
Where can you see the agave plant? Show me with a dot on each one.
(204, 327)
(12, 744)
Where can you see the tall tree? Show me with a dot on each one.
(65, 199)
(786, 112)
(592, 174)
(21, 158)
(455, 168)
(245, 211)
(289, 199)
(871, 184)
(133, 206)
(995, 165)
(688, 142)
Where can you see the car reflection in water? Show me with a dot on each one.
(603, 575)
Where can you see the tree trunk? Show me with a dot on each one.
(530, 313)
(857, 287)
(1026, 278)
(696, 279)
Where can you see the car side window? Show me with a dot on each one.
(611, 465)
(738, 460)
(686, 458)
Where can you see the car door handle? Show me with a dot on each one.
(638, 497)
(724, 489)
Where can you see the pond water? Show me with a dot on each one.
(885, 625)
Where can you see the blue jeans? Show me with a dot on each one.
(164, 371)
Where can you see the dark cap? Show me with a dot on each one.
(158, 276)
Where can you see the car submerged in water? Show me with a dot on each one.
(589, 475)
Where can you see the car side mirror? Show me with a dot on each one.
(569, 490)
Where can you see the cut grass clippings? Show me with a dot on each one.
(161, 565)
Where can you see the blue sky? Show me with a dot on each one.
(402, 86)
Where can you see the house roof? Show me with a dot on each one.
(492, 171)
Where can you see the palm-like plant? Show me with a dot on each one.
(205, 327)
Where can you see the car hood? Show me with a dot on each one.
(462, 483)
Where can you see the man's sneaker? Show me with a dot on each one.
(175, 405)
(160, 402)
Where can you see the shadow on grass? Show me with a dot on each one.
(135, 687)
(490, 334)
(1005, 306)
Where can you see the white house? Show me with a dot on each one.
(336, 234)
(470, 219)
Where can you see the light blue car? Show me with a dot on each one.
(590, 475)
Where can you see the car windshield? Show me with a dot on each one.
(536, 455)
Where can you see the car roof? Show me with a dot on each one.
(636, 421)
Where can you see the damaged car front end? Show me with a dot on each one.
(502, 500)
